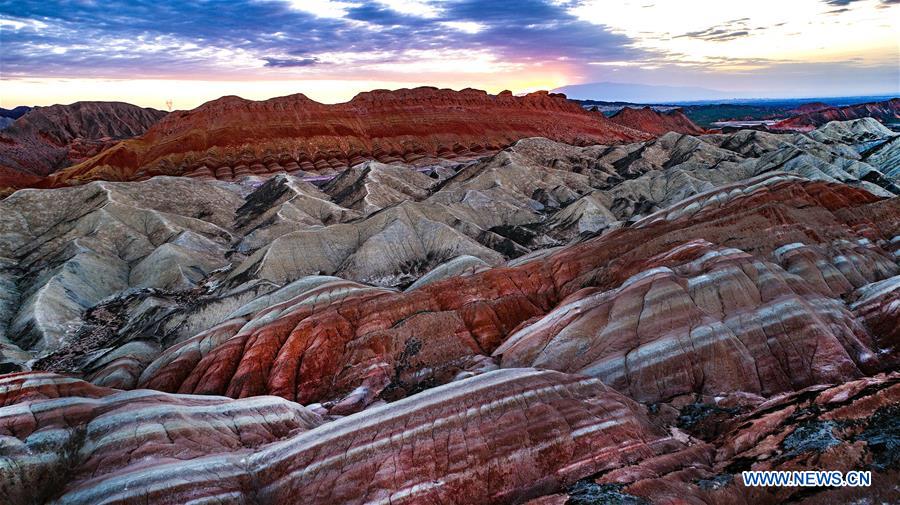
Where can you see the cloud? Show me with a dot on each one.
(715, 34)
(729, 30)
(323, 8)
(164, 39)
(464, 26)
(847, 3)
(290, 62)
(386, 40)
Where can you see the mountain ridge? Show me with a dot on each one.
(47, 139)
(230, 136)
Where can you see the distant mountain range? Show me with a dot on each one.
(15, 112)
(641, 93)
(9, 116)
(647, 94)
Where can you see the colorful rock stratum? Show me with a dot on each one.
(283, 302)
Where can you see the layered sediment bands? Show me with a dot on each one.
(723, 280)
(69, 249)
(376, 344)
(74, 247)
(232, 137)
(500, 437)
(839, 268)
(648, 120)
(47, 139)
(250, 325)
(58, 432)
(883, 111)
(878, 307)
(843, 427)
(698, 320)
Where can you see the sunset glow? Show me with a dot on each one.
(330, 50)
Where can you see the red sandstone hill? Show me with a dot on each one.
(883, 111)
(810, 107)
(231, 137)
(47, 139)
(656, 123)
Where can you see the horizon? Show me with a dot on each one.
(331, 50)
(845, 99)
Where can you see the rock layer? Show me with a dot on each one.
(232, 137)
(371, 340)
(648, 120)
(698, 320)
(47, 139)
(374, 344)
(883, 111)
(497, 438)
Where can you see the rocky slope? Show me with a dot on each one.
(232, 137)
(9, 116)
(378, 224)
(656, 123)
(882, 111)
(636, 322)
(47, 139)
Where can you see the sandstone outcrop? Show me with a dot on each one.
(552, 323)
(457, 443)
(698, 320)
(836, 427)
(883, 111)
(232, 137)
(221, 244)
(371, 347)
(48, 139)
(648, 120)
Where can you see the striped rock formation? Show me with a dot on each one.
(232, 137)
(47, 139)
(877, 306)
(888, 111)
(648, 120)
(698, 320)
(837, 427)
(160, 261)
(500, 437)
(353, 353)
(58, 431)
(710, 304)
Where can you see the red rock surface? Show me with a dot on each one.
(848, 426)
(500, 437)
(47, 139)
(883, 111)
(698, 320)
(361, 349)
(877, 305)
(733, 306)
(810, 107)
(656, 123)
(231, 137)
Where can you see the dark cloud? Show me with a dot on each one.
(846, 3)
(716, 35)
(290, 62)
(729, 30)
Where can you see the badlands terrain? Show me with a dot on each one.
(429, 296)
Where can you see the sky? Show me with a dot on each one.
(152, 52)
